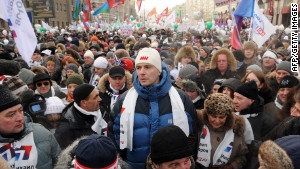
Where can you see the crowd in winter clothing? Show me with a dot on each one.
(102, 100)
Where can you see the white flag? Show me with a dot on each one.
(170, 19)
(20, 27)
(262, 28)
(45, 25)
(202, 26)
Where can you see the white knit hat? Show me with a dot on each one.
(54, 105)
(271, 55)
(100, 62)
(154, 44)
(149, 55)
(89, 53)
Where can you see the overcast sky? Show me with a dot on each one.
(160, 4)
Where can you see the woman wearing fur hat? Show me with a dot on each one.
(185, 55)
(250, 52)
(222, 144)
(222, 66)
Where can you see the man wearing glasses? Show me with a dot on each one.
(43, 86)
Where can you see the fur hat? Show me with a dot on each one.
(230, 59)
(250, 45)
(9, 67)
(7, 98)
(187, 70)
(121, 53)
(128, 39)
(15, 84)
(54, 105)
(41, 77)
(168, 144)
(271, 156)
(185, 51)
(149, 55)
(218, 103)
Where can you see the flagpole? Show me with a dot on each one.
(144, 17)
(249, 36)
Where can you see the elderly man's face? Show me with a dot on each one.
(43, 86)
(222, 63)
(12, 120)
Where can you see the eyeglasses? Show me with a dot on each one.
(40, 84)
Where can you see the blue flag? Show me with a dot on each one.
(245, 8)
(103, 9)
(76, 10)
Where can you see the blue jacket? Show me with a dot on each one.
(153, 111)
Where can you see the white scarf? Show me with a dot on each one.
(52, 91)
(100, 125)
(127, 116)
(279, 105)
(222, 153)
(25, 149)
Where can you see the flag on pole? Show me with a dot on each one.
(139, 4)
(152, 12)
(170, 19)
(76, 10)
(45, 25)
(202, 26)
(98, 25)
(244, 9)
(118, 21)
(86, 25)
(262, 28)
(103, 9)
(114, 3)
(15, 14)
(179, 20)
(164, 13)
(86, 10)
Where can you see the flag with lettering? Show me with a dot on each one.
(262, 28)
(86, 10)
(114, 3)
(22, 31)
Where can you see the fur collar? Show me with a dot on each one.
(104, 79)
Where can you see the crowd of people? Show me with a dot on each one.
(157, 99)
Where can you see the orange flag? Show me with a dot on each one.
(152, 12)
(179, 20)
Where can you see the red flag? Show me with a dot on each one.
(139, 4)
(87, 9)
(235, 40)
(164, 13)
(152, 12)
(179, 20)
(114, 3)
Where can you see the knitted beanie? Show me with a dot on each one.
(248, 90)
(218, 103)
(72, 66)
(284, 65)
(127, 64)
(41, 77)
(54, 105)
(168, 144)
(254, 67)
(149, 55)
(81, 92)
(95, 46)
(186, 71)
(190, 86)
(101, 62)
(291, 145)
(94, 38)
(74, 79)
(89, 53)
(270, 54)
(15, 84)
(109, 55)
(288, 81)
(206, 49)
(271, 156)
(7, 98)
(26, 76)
(96, 152)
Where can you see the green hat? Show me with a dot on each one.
(75, 79)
